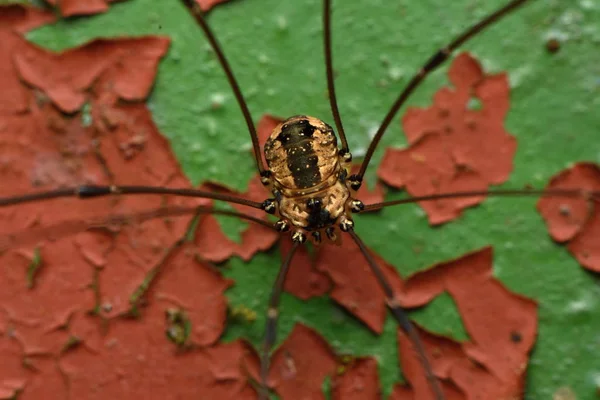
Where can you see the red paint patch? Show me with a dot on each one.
(303, 280)
(118, 69)
(14, 376)
(69, 8)
(502, 327)
(501, 324)
(125, 366)
(575, 221)
(49, 286)
(299, 366)
(452, 147)
(359, 381)
(21, 18)
(445, 352)
(214, 245)
(206, 5)
(354, 285)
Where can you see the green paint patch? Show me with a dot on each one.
(442, 317)
(34, 267)
(231, 227)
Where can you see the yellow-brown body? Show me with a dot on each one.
(308, 174)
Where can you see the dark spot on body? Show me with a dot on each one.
(296, 131)
(318, 217)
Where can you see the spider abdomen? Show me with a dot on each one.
(301, 152)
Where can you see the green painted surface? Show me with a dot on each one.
(275, 50)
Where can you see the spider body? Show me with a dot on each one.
(308, 178)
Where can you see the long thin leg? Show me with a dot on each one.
(151, 275)
(89, 191)
(272, 316)
(198, 14)
(568, 193)
(401, 317)
(330, 79)
(71, 227)
(435, 61)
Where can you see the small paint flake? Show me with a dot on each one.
(70, 8)
(553, 45)
(207, 5)
(101, 62)
(575, 221)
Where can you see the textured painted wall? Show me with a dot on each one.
(275, 50)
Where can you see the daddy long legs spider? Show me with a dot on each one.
(374, 61)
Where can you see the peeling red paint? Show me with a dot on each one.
(303, 280)
(354, 285)
(119, 68)
(443, 353)
(214, 245)
(206, 5)
(20, 18)
(451, 147)
(124, 364)
(100, 270)
(301, 364)
(69, 8)
(359, 381)
(196, 288)
(575, 221)
(13, 376)
(502, 327)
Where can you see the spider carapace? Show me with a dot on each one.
(309, 180)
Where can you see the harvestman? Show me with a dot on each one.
(308, 175)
